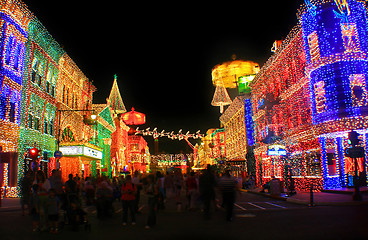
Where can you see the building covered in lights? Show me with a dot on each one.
(282, 118)
(74, 107)
(310, 94)
(39, 96)
(139, 156)
(104, 127)
(335, 37)
(120, 153)
(14, 21)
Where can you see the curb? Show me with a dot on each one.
(9, 209)
(304, 202)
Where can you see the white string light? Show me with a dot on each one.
(173, 136)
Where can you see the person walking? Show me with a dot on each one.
(207, 183)
(43, 187)
(152, 192)
(228, 185)
(192, 191)
(137, 182)
(128, 193)
(26, 191)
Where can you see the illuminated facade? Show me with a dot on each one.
(120, 153)
(129, 152)
(14, 21)
(218, 144)
(281, 114)
(139, 154)
(203, 152)
(74, 93)
(233, 121)
(39, 97)
(310, 94)
(235, 133)
(336, 45)
(104, 128)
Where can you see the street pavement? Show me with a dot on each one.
(256, 217)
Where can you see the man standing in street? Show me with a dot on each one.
(128, 193)
(228, 185)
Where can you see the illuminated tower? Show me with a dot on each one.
(229, 73)
(233, 74)
(115, 100)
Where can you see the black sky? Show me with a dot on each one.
(163, 53)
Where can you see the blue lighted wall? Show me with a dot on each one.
(249, 121)
(337, 60)
(12, 53)
(12, 49)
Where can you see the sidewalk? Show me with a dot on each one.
(331, 198)
(10, 204)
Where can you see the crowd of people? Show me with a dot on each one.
(53, 204)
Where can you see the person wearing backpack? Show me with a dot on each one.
(128, 193)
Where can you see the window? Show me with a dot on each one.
(3, 106)
(30, 121)
(76, 102)
(51, 129)
(45, 127)
(39, 80)
(35, 64)
(17, 57)
(9, 49)
(63, 94)
(67, 135)
(47, 87)
(67, 96)
(12, 112)
(36, 123)
(313, 165)
(331, 162)
(52, 91)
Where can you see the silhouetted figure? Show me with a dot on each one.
(207, 183)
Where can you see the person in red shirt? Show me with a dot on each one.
(128, 192)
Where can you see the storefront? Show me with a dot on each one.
(79, 160)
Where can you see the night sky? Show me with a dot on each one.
(163, 53)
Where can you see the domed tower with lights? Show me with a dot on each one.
(129, 152)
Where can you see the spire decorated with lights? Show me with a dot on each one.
(221, 98)
(115, 100)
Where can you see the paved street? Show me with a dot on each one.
(257, 217)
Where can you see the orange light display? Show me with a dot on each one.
(229, 72)
(134, 118)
